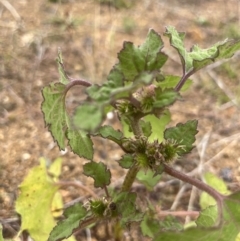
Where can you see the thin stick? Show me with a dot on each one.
(11, 9)
(79, 185)
(178, 197)
(192, 214)
(190, 203)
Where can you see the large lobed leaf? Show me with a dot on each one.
(35, 202)
(58, 122)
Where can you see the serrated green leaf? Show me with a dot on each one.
(80, 143)
(74, 215)
(170, 81)
(207, 217)
(149, 226)
(171, 223)
(134, 60)
(104, 93)
(88, 117)
(110, 133)
(34, 203)
(221, 50)
(198, 58)
(63, 77)
(227, 232)
(146, 128)
(55, 115)
(215, 182)
(158, 125)
(184, 134)
(126, 161)
(99, 172)
(148, 178)
(126, 208)
(165, 97)
(176, 40)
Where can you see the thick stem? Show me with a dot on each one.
(200, 185)
(132, 172)
(136, 128)
(130, 177)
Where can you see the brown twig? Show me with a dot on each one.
(78, 185)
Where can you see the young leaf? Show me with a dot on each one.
(34, 203)
(55, 115)
(126, 161)
(80, 143)
(134, 60)
(148, 178)
(74, 215)
(184, 134)
(99, 172)
(109, 133)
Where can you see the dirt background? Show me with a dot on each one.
(90, 35)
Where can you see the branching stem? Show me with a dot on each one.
(76, 82)
(200, 185)
(182, 81)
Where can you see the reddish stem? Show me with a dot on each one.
(200, 185)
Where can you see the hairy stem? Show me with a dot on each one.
(130, 177)
(200, 185)
(132, 172)
(135, 125)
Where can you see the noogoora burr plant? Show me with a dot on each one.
(140, 94)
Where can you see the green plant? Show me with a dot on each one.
(140, 94)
